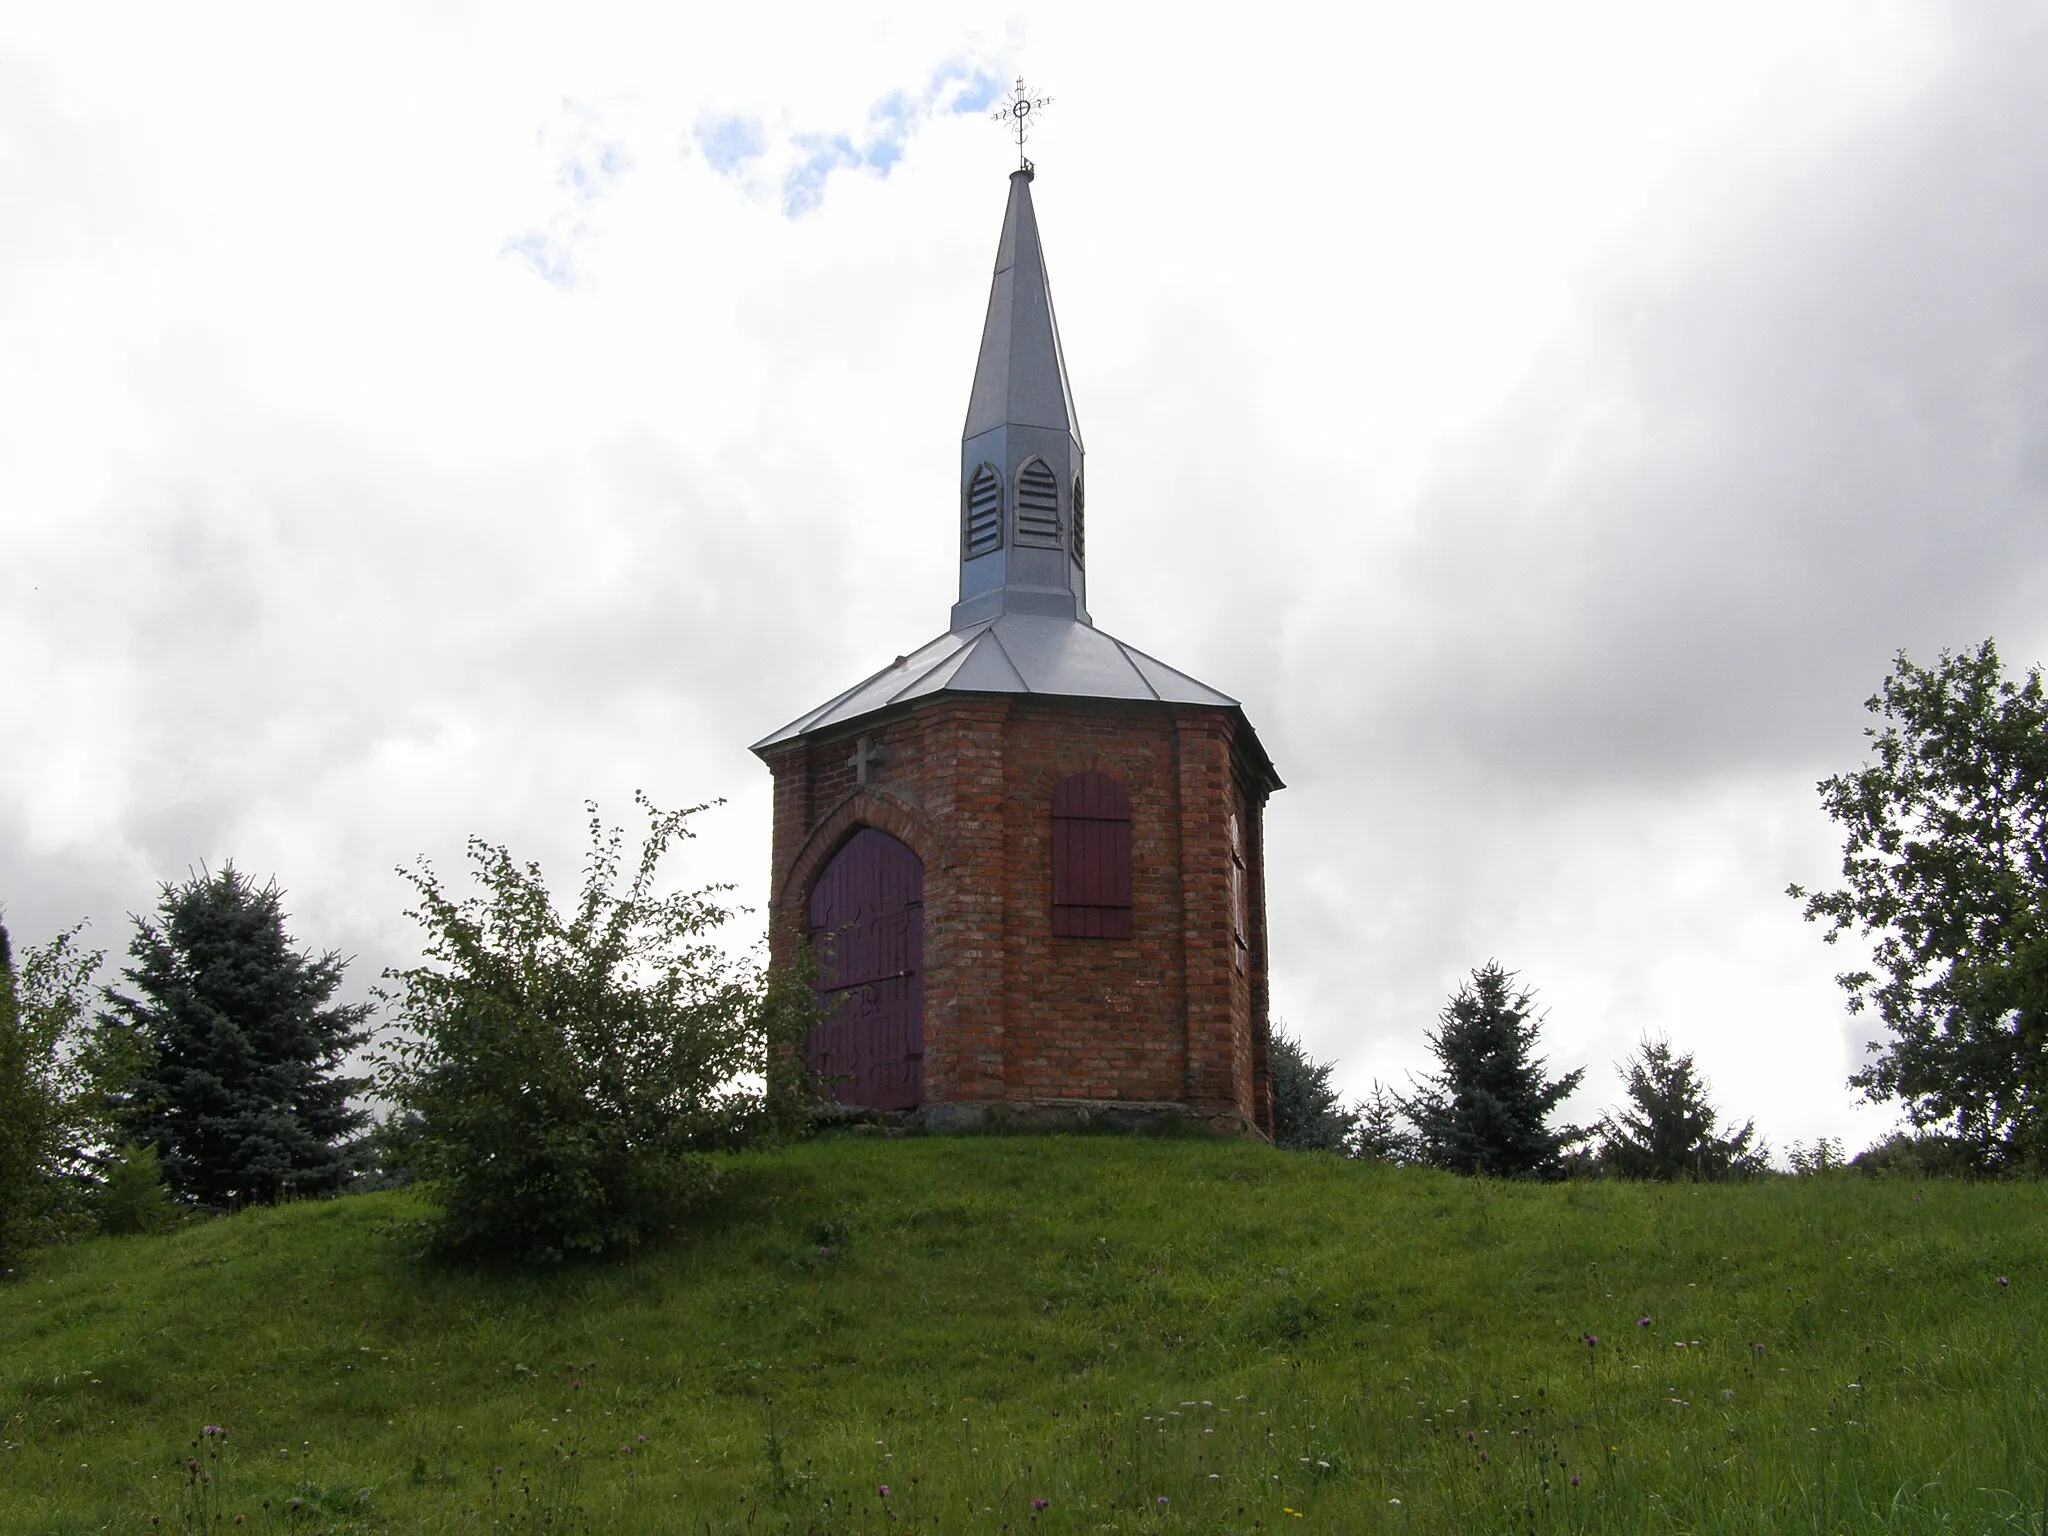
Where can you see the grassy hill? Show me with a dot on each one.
(1148, 1336)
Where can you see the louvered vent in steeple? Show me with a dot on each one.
(983, 520)
(1038, 505)
(1080, 525)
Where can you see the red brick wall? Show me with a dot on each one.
(1013, 1013)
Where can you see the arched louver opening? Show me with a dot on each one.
(1091, 858)
(1080, 525)
(1038, 505)
(982, 520)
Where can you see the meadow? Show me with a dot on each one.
(1063, 1335)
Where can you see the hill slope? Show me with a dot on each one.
(1146, 1335)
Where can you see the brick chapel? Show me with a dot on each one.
(1030, 858)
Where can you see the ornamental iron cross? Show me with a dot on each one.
(1015, 113)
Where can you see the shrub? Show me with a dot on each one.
(570, 1074)
(132, 1196)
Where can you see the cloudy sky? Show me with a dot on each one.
(1548, 420)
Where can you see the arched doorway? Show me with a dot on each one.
(867, 930)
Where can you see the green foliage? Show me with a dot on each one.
(1923, 1155)
(1822, 1155)
(45, 1091)
(131, 1196)
(1308, 1114)
(570, 1073)
(1671, 1132)
(236, 1047)
(1115, 1320)
(1379, 1129)
(1488, 1107)
(1945, 860)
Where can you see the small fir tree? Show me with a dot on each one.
(1671, 1130)
(1308, 1115)
(237, 1047)
(1378, 1131)
(1487, 1109)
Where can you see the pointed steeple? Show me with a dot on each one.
(1022, 546)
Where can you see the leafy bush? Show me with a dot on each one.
(46, 1091)
(1925, 1154)
(132, 1196)
(569, 1075)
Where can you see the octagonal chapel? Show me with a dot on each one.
(1030, 858)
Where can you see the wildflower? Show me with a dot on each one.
(1393, 1501)
(883, 1490)
(1162, 1498)
(1642, 1322)
(1757, 1347)
(211, 1430)
(1575, 1479)
(2003, 1281)
(1040, 1503)
(1592, 1341)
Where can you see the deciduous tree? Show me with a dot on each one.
(1945, 871)
(46, 1095)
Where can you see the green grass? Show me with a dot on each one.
(1100, 1323)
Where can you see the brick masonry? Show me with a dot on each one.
(1018, 1021)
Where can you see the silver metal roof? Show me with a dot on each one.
(1016, 653)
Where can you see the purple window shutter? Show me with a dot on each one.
(1091, 858)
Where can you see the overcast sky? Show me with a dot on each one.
(1549, 421)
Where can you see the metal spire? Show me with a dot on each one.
(1022, 544)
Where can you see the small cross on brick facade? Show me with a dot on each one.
(867, 757)
(1053, 911)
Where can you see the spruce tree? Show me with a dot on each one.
(1487, 1110)
(239, 1086)
(1670, 1133)
(1308, 1114)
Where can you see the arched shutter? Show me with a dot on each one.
(982, 515)
(1091, 858)
(1038, 505)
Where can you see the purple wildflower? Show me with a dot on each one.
(1592, 1341)
(1040, 1503)
(1575, 1479)
(1162, 1498)
(882, 1489)
(1642, 1322)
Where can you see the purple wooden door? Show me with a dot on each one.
(867, 929)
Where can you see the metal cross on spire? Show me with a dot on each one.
(1016, 113)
